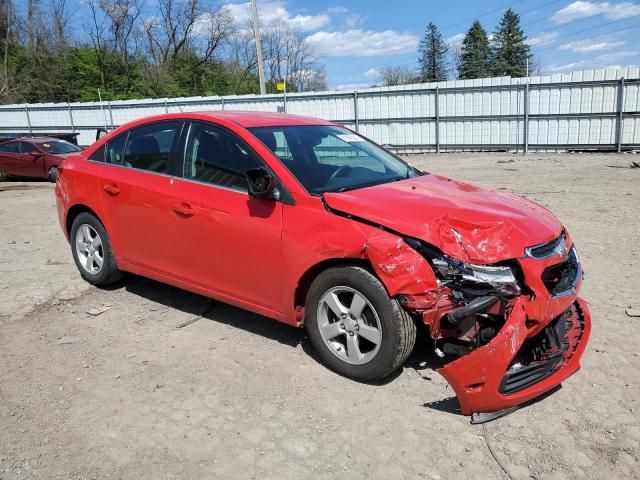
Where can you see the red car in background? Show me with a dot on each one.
(311, 224)
(34, 157)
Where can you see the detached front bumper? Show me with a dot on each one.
(523, 361)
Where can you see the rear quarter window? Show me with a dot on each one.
(9, 147)
(98, 155)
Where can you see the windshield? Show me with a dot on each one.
(327, 158)
(58, 146)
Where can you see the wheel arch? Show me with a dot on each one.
(302, 287)
(76, 210)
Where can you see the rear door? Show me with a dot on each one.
(9, 158)
(226, 241)
(136, 190)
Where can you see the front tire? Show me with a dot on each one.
(356, 328)
(52, 175)
(92, 251)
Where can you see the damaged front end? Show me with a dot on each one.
(507, 332)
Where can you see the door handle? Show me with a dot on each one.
(112, 188)
(184, 209)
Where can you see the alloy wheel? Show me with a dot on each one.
(89, 249)
(349, 325)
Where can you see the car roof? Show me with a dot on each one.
(37, 139)
(248, 119)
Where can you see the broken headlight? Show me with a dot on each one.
(449, 270)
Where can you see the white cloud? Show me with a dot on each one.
(544, 39)
(584, 9)
(352, 86)
(362, 43)
(591, 45)
(567, 67)
(605, 61)
(455, 40)
(584, 65)
(273, 12)
(372, 73)
(612, 57)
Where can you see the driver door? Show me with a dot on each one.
(225, 240)
(30, 160)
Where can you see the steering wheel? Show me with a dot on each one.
(336, 174)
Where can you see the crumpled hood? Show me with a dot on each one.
(467, 222)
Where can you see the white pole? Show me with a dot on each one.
(256, 33)
(286, 74)
(104, 114)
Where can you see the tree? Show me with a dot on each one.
(433, 56)
(510, 51)
(6, 14)
(475, 54)
(396, 75)
(131, 49)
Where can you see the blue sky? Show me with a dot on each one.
(357, 37)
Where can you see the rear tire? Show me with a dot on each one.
(3, 176)
(91, 249)
(370, 336)
(52, 175)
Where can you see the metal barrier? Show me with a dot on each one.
(590, 110)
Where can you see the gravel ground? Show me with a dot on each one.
(127, 395)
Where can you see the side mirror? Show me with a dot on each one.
(261, 184)
(35, 154)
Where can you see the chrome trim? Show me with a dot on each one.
(576, 279)
(130, 168)
(559, 249)
(213, 185)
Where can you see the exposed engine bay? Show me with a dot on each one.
(506, 332)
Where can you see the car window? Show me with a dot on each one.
(98, 155)
(26, 147)
(148, 148)
(217, 156)
(59, 146)
(10, 147)
(326, 158)
(115, 149)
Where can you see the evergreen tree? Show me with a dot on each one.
(475, 56)
(510, 50)
(433, 56)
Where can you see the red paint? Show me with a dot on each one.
(256, 253)
(476, 377)
(30, 165)
(491, 226)
(401, 268)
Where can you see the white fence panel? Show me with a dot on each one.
(545, 112)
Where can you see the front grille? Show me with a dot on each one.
(545, 353)
(563, 277)
(549, 249)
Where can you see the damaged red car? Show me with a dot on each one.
(311, 224)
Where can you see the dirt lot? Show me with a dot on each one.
(127, 395)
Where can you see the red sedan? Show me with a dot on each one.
(313, 225)
(33, 157)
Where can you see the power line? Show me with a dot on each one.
(484, 14)
(537, 7)
(592, 28)
(408, 62)
(536, 50)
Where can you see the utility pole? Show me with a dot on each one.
(256, 33)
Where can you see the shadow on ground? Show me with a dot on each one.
(422, 360)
